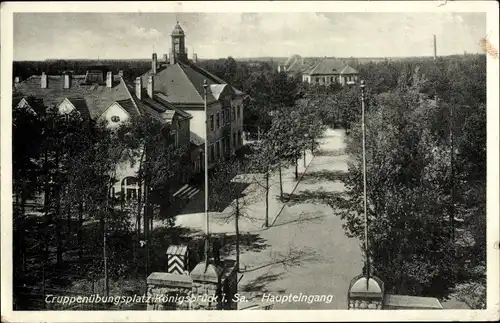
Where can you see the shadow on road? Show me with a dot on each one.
(324, 175)
(304, 217)
(260, 285)
(249, 242)
(330, 153)
(320, 196)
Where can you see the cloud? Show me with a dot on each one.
(144, 33)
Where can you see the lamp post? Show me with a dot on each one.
(367, 260)
(207, 237)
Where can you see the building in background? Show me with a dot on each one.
(294, 66)
(330, 71)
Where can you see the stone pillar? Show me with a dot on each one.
(363, 296)
(168, 291)
(207, 286)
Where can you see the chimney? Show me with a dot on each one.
(44, 81)
(109, 79)
(195, 58)
(154, 64)
(120, 73)
(138, 87)
(151, 86)
(67, 80)
(435, 47)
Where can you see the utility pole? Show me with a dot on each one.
(207, 234)
(367, 260)
(435, 48)
(452, 162)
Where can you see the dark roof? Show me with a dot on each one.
(177, 30)
(158, 109)
(196, 140)
(348, 70)
(93, 98)
(182, 83)
(330, 66)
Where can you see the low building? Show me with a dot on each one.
(330, 71)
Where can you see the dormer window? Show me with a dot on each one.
(115, 118)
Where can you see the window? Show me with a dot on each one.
(234, 113)
(317, 80)
(115, 118)
(217, 150)
(324, 79)
(228, 112)
(218, 120)
(332, 79)
(238, 113)
(212, 122)
(240, 140)
(129, 188)
(234, 139)
(241, 113)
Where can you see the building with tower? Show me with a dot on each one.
(179, 81)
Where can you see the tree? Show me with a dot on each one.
(264, 160)
(227, 190)
(26, 134)
(408, 194)
(150, 144)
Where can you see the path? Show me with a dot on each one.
(331, 259)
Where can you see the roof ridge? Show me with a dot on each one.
(218, 79)
(122, 82)
(189, 82)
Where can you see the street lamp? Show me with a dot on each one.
(367, 260)
(207, 237)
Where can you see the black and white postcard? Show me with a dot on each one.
(303, 160)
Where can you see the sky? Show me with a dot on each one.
(39, 36)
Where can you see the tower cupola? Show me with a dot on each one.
(178, 44)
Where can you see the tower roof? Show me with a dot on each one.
(177, 30)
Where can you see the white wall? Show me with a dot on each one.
(115, 110)
(65, 107)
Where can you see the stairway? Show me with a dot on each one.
(186, 192)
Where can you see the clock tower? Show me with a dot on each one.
(178, 51)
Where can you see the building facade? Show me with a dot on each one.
(330, 71)
(181, 83)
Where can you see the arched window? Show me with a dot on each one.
(130, 188)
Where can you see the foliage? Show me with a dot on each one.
(409, 186)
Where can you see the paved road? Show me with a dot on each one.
(329, 259)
